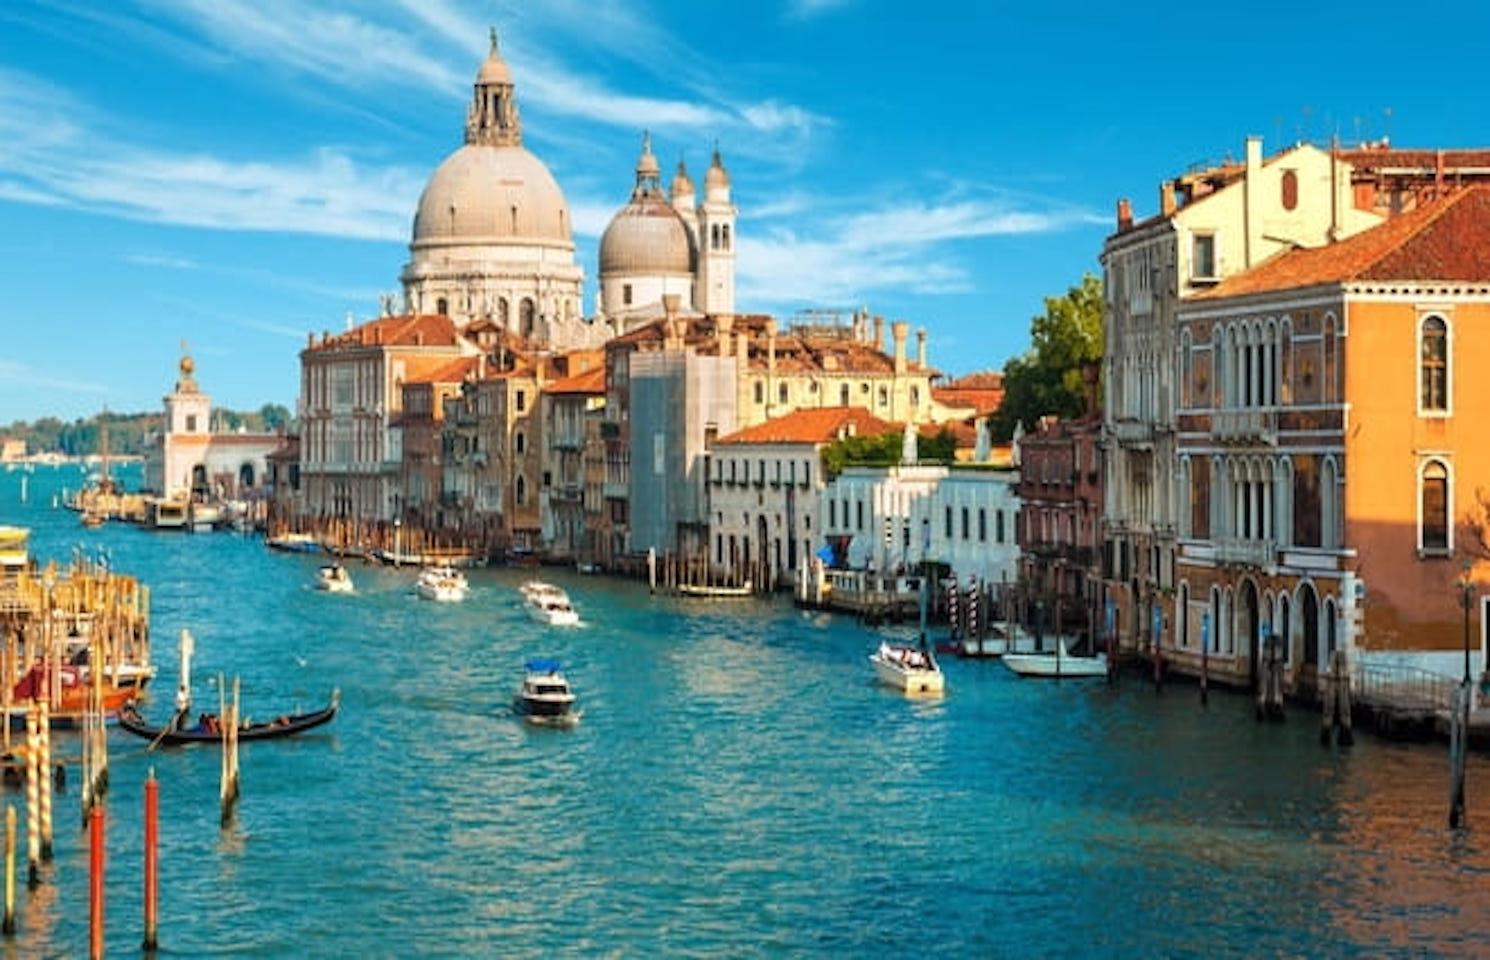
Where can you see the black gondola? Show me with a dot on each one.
(176, 735)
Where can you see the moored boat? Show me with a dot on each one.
(545, 696)
(442, 584)
(907, 669)
(1057, 665)
(208, 730)
(293, 543)
(715, 592)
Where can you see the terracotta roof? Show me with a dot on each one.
(813, 425)
(981, 380)
(453, 371)
(421, 330)
(1371, 158)
(589, 383)
(1447, 239)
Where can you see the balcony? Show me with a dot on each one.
(1248, 553)
(1133, 432)
(1245, 426)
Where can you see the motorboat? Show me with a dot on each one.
(1057, 665)
(204, 517)
(700, 591)
(549, 604)
(333, 578)
(293, 543)
(545, 697)
(125, 675)
(908, 669)
(442, 584)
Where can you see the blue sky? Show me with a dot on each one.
(236, 173)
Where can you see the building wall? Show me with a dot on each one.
(764, 495)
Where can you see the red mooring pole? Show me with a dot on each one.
(95, 883)
(152, 809)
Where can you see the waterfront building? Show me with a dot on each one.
(351, 395)
(1211, 224)
(421, 425)
(190, 459)
(764, 487)
(1060, 518)
(1330, 455)
(492, 235)
(890, 519)
(572, 410)
(974, 395)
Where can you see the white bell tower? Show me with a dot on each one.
(715, 293)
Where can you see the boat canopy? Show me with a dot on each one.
(543, 665)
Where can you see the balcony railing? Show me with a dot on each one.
(1254, 553)
(1245, 426)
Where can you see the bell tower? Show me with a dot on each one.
(715, 293)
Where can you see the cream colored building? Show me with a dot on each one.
(1210, 225)
(492, 234)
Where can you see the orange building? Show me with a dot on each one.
(1333, 462)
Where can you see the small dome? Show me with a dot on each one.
(717, 176)
(682, 184)
(494, 68)
(646, 237)
(484, 193)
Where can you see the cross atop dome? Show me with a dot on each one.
(492, 118)
(648, 172)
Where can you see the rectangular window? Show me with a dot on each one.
(832, 514)
(1434, 353)
(522, 400)
(964, 523)
(191, 423)
(949, 523)
(982, 525)
(998, 525)
(1203, 257)
(626, 294)
(859, 515)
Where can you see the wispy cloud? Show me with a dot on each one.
(907, 248)
(20, 374)
(168, 261)
(53, 160)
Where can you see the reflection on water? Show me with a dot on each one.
(739, 785)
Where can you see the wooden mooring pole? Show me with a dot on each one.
(9, 926)
(152, 811)
(95, 883)
(33, 800)
(44, 771)
(1458, 744)
(228, 792)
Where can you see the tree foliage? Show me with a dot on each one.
(884, 451)
(1048, 378)
(130, 434)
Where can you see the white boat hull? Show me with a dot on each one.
(907, 679)
(334, 586)
(1056, 665)
(441, 593)
(554, 618)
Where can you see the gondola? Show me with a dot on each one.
(176, 735)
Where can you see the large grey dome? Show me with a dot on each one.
(647, 236)
(486, 194)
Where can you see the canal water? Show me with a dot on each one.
(738, 786)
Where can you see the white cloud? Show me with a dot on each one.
(905, 248)
(52, 160)
(169, 261)
(20, 374)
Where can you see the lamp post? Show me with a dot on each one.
(397, 545)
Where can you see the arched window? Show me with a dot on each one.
(1331, 390)
(525, 317)
(520, 442)
(1285, 363)
(522, 488)
(724, 242)
(442, 307)
(915, 397)
(760, 392)
(843, 395)
(783, 393)
(884, 396)
(1434, 511)
(502, 312)
(1328, 511)
(1433, 350)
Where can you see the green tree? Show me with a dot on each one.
(1048, 378)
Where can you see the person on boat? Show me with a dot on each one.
(207, 723)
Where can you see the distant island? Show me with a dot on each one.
(129, 433)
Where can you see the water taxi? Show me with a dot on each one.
(549, 604)
(1057, 665)
(293, 543)
(907, 669)
(333, 578)
(545, 697)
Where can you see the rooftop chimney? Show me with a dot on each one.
(1124, 214)
(879, 333)
(921, 347)
(724, 326)
(1166, 198)
(898, 331)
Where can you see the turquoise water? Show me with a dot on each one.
(738, 786)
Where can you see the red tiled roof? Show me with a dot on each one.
(589, 383)
(1447, 239)
(410, 330)
(981, 380)
(813, 425)
(1371, 158)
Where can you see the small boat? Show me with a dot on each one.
(333, 578)
(704, 592)
(206, 730)
(907, 669)
(442, 584)
(293, 543)
(204, 518)
(587, 567)
(545, 697)
(549, 604)
(92, 520)
(1057, 665)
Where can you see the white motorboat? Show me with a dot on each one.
(549, 604)
(442, 584)
(1057, 665)
(545, 696)
(333, 578)
(907, 669)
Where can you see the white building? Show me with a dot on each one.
(892, 518)
(660, 244)
(765, 484)
(189, 459)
